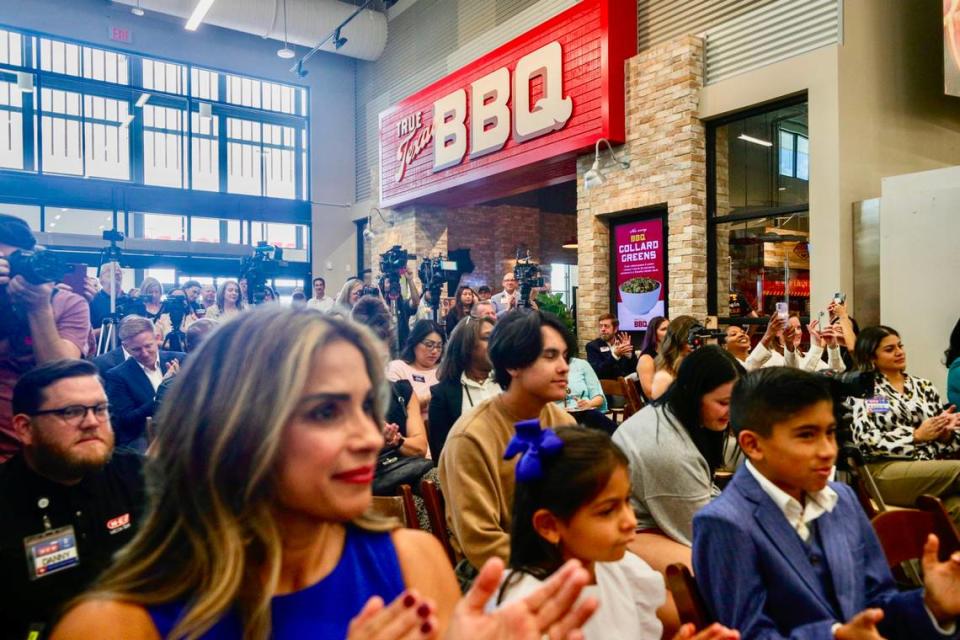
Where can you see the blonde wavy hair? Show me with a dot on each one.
(208, 537)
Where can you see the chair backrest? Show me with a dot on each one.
(389, 507)
(612, 387)
(631, 389)
(405, 492)
(686, 596)
(437, 515)
(903, 532)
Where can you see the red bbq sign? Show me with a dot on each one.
(516, 118)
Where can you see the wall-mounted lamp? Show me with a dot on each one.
(593, 177)
(25, 82)
(367, 231)
(570, 244)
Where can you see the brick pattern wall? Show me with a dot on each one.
(666, 144)
(492, 234)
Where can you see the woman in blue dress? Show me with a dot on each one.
(256, 525)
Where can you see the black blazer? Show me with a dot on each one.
(607, 368)
(132, 396)
(108, 360)
(446, 405)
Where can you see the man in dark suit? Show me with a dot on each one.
(132, 385)
(611, 355)
(784, 553)
(106, 361)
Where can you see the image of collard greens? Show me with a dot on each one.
(639, 285)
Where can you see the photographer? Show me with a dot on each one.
(176, 308)
(38, 324)
(402, 296)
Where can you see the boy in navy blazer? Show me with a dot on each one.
(784, 553)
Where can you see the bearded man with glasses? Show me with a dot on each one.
(68, 502)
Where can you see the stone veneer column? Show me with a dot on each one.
(666, 144)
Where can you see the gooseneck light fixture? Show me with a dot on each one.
(367, 231)
(593, 177)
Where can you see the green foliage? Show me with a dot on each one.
(553, 302)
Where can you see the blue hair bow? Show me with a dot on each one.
(535, 444)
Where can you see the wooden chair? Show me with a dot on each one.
(437, 514)
(686, 596)
(614, 388)
(631, 389)
(409, 506)
(903, 533)
(390, 507)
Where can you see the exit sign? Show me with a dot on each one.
(119, 34)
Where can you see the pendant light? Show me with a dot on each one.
(286, 53)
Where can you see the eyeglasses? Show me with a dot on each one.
(429, 345)
(75, 413)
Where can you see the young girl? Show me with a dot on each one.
(572, 500)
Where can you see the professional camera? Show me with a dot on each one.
(265, 263)
(38, 266)
(392, 262)
(528, 275)
(699, 335)
(370, 290)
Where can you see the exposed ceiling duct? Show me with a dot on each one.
(308, 21)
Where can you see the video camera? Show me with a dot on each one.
(265, 263)
(528, 275)
(37, 266)
(392, 262)
(699, 336)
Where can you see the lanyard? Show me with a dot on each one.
(469, 397)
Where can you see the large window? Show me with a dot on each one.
(759, 225)
(106, 114)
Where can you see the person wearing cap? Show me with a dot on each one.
(45, 324)
(69, 501)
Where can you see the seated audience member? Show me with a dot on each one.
(349, 294)
(64, 496)
(287, 551)
(191, 289)
(821, 339)
(674, 447)
(902, 430)
(110, 359)
(573, 503)
(208, 296)
(646, 363)
(403, 458)
(952, 361)
(737, 343)
(196, 333)
(484, 309)
(846, 330)
(784, 553)
(585, 399)
(298, 299)
(419, 360)
(528, 350)
(673, 348)
(484, 293)
(132, 386)
(462, 306)
(230, 301)
(465, 379)
(611, 355)
(320, 301)
(48, 324)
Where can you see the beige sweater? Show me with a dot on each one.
(478, 483)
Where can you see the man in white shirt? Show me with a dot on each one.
(132, 385)
(320, 301)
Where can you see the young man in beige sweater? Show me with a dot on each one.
(529, 351)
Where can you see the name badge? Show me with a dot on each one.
(417, 378)
(877, 404)
(51, 552)
(604, 349)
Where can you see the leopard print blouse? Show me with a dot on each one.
(883, 425)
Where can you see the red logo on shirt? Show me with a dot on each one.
(118, 524)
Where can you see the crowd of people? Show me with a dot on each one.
(147, 497)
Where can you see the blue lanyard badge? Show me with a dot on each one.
(878, 405)
(51, 552)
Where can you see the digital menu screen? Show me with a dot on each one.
(639, 255)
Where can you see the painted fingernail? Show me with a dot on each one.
(409, 601)
(426, 628)
(423, 610)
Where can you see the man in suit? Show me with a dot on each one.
(784, 553)
(611, 355)
(132, 385)
(106, 361)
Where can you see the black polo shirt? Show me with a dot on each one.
(104, 510)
